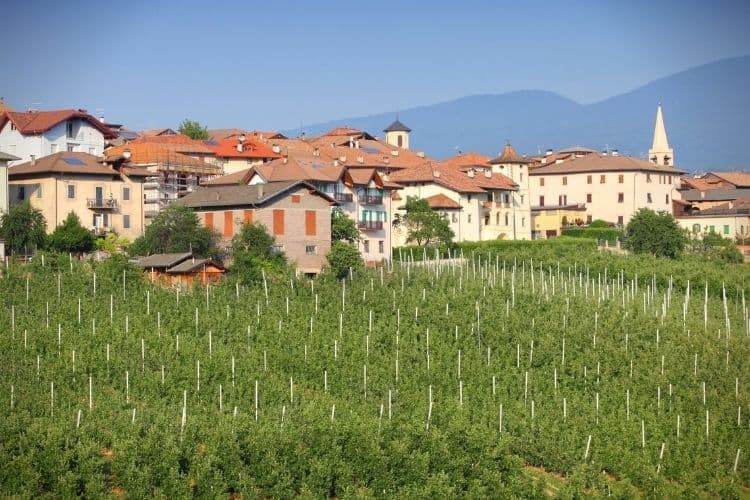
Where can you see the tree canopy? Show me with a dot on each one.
(655, 233)
(71, 237)
(23, 228)
(342, 257)
(342, 227)
(424, 226)
(253, 252)
(193, 129)
(176, 229)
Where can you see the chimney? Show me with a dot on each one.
(470, 173)
(276, 148)
(240, 146)
(488, 173)
(101, 119)
(436, 174)
(615, 152)
(351, 142)
(285, 160)
(548, 152)
(316, 152)
(33, 159)
(420, 154)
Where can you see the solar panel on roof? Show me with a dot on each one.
(73, 161)
(211, 143)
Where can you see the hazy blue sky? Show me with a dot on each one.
(276, 64)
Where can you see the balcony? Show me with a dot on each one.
(371, 199)
(343, 197)
(101, 203)
(370, 225)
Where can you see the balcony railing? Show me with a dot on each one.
(370, 225)
(101, 203)
(371, 199)
(343, 197)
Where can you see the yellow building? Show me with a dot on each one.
(105, 199)
(549, 221)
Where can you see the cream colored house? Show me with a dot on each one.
(612, 188)
(104, 198)
(730, 220)
(548, 222)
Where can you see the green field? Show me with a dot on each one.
(496, 377)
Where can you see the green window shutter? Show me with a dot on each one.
(726, 228)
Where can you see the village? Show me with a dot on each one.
(116, 181)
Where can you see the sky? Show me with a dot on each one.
(282, 64)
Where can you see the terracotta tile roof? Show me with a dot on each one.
(699, 183)
(307, 168)
(242, 195)
(240, 177)
(595, 162)
(739, 179)
(454, 179)
(217, 134)
(135, 171)
(442, 201)
(37, 122)
(4, 106)
(63, 163)
(160, 155)
(509, 155)
(156, 132)
(466, 160)
(251, 149)
(348, 131)
(177, 142)
(266, 134)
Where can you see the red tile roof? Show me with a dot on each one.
(466, 159)
(177, 142)
(454, 179)
(739, 179)
(251, 149)
(160, 155)
(37, 122)
(4, 106)
(509, 155)
(442, 201)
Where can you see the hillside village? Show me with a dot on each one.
(117, 180)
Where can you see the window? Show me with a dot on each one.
(620, 179)
(487, 220)
(38, 190)
(620, 219)
(277, 248)
(91, 151)
(278, 222)
(209, 220)
(69, 130)
(506, 198)
(311, 249)
(468, 218)
(620, 197)
(71, 148)
(726, 229)
(126, 221)
(648, 177)
(228, 223)
(589, 218)
(126, 194)
(468, 197)
(381, 246)
(12, 126)
(366, 246)
(541, 181)
(541, 201)
(602, 179)
(565, 180)
(648, 197)
(696, 228)
(247, 217)
(400, 141)
(497, 219)
(588, 197)
(71, 191)
(21, 192)
(53, 148)
(454, 217)
(712, 229)
(562, 199)
(506, 218)
(295, 198)
(520, 177)
(310, 223)
(666, 199)
(523, 221)
(588, 179)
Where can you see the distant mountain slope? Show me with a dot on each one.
(705, 110)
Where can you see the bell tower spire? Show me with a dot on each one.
(660, 152)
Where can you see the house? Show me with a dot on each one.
(238, 153)
(730, 220)
(181, 269)
(612, 188)
(35, 134)
(176, 165)
(549, 221)
(294, 212)
(105, 198)
(714, 189)
(4, 190)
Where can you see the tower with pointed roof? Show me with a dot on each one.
(397, 134)
(660, 152)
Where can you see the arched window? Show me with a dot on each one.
(506, 219)
(400, 141)
(497, 219)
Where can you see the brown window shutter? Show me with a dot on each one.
(209, 220)
(310, 223)
(295, 198)
(248, 217)
(228, 224)
(278, 222)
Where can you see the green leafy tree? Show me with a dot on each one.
(23, 228)
(111, 243)
(342, 227)
(193, 129)
(176, 229)
(424, 226)
(655, 233)
(71, 237)
(342, 257)
(253, 252)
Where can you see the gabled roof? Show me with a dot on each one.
(177, 142)
(160, 155)
(163, 260)
(508, 155)
(239, 177)
(348, 131)
(217, 134)
(397, 126)
(63, 163)
(595, 162)
(470, 159)
(8, 157)
(251, 149)
(243, 195)
(739, 179)
(4, 106)
(468, 181)
(192, 265)
(38, 122)
(266, 134)
(442, 201)
(156, 132)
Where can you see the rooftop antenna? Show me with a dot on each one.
(35, 105)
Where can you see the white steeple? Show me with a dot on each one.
(660, 152)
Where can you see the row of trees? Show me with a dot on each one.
(24, 230)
